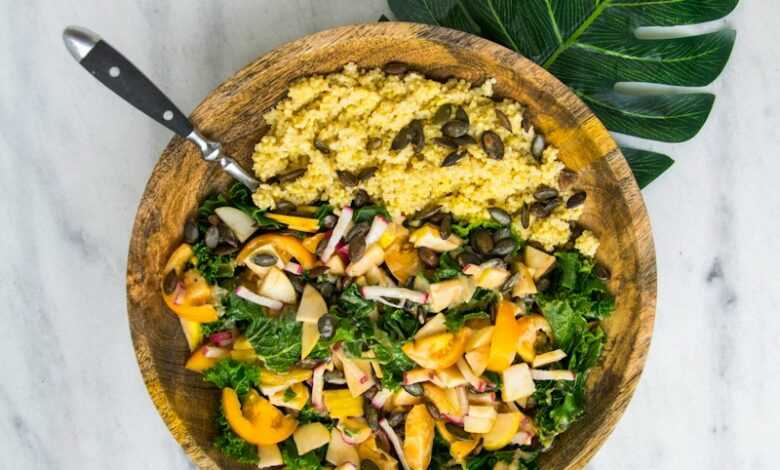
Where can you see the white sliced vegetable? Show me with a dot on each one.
(397, 444)
(482, 412)
(346, 466)
(538, 374)
(450, 292)
(359, 378)
(548, 358)
(214, 352)
(310, 436)
(339, 452)
(277, 286)
(378, 227)
(237, 221)
(433, 326)
(247, 294)
(522, 438)
(479, 338)
(312, 305)
(492, 278)
(418, 375)
(374, 256)
(269, 456)
(377, 292)
(470, 376)
(293, 268)
(345, 219)
(462, 398)
(380, 398)
(478, 425)
(317, 385)
(449, 378)
(538, 261)
(487, 398)
(517, 382)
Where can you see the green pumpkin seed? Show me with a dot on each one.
(346, 178)
(576, 199)
(492, 145)
(321, 146)
(455, 128)
(503, 120)
(395, 68)
(291, 175)
(442, 114)
(446, 142)
(500, 215)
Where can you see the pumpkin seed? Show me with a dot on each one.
(357, 246)
(403, 138)
(321, 247)
(526, 123)
(297, 284)
(457, 431)
(428, 257)
(373, 143)
(346, 178)
(212, 237)
(435, 413)
(467, 257)
(537, 147)
(395, 68)
(544, 193)
(551, 204)
(223, 250)
(539, 210)
(525, 215)
(360, 199)
(414, 390)
(291, 175)
(317, 271)
(504, 247)
(359, 229)
(428, 212)
(465, 140)
(397, 418)
(214, 219)
(372, 418)
(418, 135)
(503, 232)
(460, 114)
(542, 284)
(510, 283)
(453, 158)
(170, 281)
(500, 215)
(329, 221)
(367, 173)
(442, 114)
(482, 241)
(576, 199)
(190, 231)
(492, 145)
(446, 142)
(285, 206)
(264, 259)
(601, 272)
(327, 326)
(226, 235)
(503, 120)
(455, 128)
(321, 146)
(445, 226)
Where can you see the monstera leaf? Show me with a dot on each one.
(591, 45)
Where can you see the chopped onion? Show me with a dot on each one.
(380, 398)
(538, 374)
(378, 227)
(476, 382)
(397, 445)
(463, 399)
(454, 419)
(378, 292)
(338, 233)
(293, 268)
(247, 294)
(548, 358)
(318, 384)
(391, 304)
(222, 338)
(215, 352)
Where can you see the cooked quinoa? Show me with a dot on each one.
(346, 110)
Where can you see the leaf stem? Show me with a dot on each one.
(571, 40)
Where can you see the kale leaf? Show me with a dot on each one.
(240, 376)
(367, 213)
(559, 404)
(232, 445)
(463, 230)
(309, 461)
(447, 269)
(486, 460)
(308, 414)
(477, 307)
(214, 268)
(398, 323)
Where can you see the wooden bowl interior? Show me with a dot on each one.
(232, 114)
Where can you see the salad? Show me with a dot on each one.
(345, 338)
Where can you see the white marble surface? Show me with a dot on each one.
(74, 161)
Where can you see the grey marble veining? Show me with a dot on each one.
(74, 161)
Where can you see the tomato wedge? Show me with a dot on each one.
(438, 351)
(503, 345)
(289, 244)
(259, 422)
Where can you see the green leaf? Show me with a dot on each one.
(214, 268)
(646, 165)
(240, 376)
(308, 461)
(591, 45)
(232, 445)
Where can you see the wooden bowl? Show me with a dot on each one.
(232, 114)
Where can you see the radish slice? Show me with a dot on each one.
(378, 227)
(454, 419)
(247, 294)
(222, 338)
(476, 382)
(342, 250)
(318, 384)
(378, 292)
(214, 352)
(391, 304)
(293, 268)
(397, 445)
(338, 233)
(380, 398)
(178, 294)
(537, 374)
(522, 439)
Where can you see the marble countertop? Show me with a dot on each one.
(74, 162)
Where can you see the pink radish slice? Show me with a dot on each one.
(342, 250)
(222, 338)
(378, 227)
(378, 292)
(397, 445)
(215, 352)
(380, 398)
(454, 419)
(318, 384)
(247, 294)
(338, 233)
(293, 268)
(178, 294)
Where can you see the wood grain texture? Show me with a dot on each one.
(233, 113)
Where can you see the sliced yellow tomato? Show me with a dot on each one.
(296, 398)
(439, 397)
(286, 243)
(369, 450)
(178, 259)
(503, 344)
(418, 439)
(190, 300)
(438, 351)
(528, 328)
(270, 379)
(461, 449)
(198, 362)
(311, 243)
(504, 429)
(402, 260)
(302, 224)
(258, 422)
(193, 332)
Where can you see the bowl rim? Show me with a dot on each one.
(640, 223)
